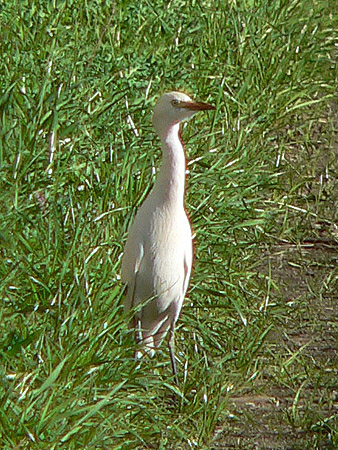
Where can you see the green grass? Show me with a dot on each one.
(73, 171)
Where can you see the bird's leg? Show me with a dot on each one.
(171, 344)
(138, 336)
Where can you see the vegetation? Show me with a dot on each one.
(256, 339)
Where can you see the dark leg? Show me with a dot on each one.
(138, 336)
(171, 344)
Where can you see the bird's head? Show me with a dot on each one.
(174, 107)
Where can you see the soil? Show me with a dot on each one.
(296, 409)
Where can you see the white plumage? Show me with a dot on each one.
(157, 259)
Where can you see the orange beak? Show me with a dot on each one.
(196, 106)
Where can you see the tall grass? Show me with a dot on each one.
(77, 155)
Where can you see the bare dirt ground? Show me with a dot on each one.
(295, 404)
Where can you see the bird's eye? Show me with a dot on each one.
(175, 103)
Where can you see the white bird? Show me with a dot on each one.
(157, 259)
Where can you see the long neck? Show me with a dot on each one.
(171, 179)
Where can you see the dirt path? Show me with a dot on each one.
(294, 404)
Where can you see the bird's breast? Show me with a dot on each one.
(167, 241)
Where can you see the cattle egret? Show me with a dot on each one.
(157, 258)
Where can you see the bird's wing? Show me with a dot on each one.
(131, 262)
(187, 267)
(187, 263)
